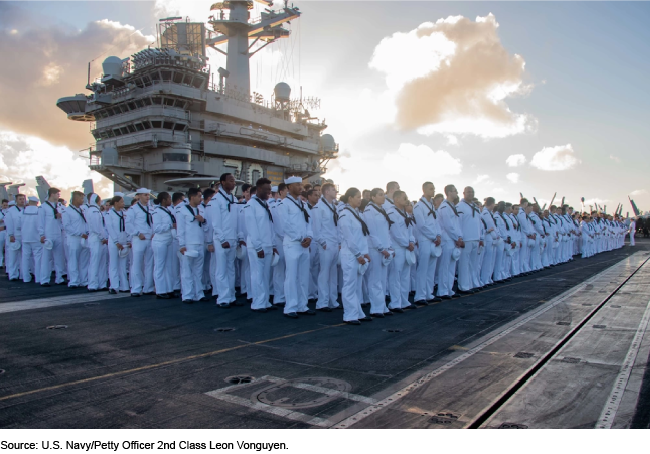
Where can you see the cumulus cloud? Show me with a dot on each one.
(481, 179)
(45, 62)
(557, 158)
(453, 77)
(615, 158)
(23, 157)
(513, 177)
(639, 192)
(516, 160)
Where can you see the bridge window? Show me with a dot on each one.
(176, 157)
(156, 124)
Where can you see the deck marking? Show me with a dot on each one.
(39, 303)
(607, 416)
(398, 395)
(162, 364)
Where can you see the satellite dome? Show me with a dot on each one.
(327, 142)
(282, 92)
(112, 66)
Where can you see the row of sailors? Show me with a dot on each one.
(296, 248)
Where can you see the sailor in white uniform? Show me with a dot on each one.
(242, 234)
(209, 278)
(224, 214)
(278, 271)
(429, 236)
(32, 246)
(297, 239)
(327, 235)
(139, 227)
(403, 242)
(191, 240)
(3, 232)
(452, 238)
(379, 248)
(97, 241)
(492, 258)
(311, 200)
(162, 246)
(13, 222)
(117, 241)
(49, 228)
(470, 223)
(354, 252)
(76, 229)
(178, 202)
(260, 245)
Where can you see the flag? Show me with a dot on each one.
(634, 208)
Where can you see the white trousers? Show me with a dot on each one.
(278, 273)
(447, 269)
(260, 277)
(98, 263)
(399, 283)
(13, 259)
(225, 273)
(632, 243)
(55, 255)
(142, 266)
(426, 270)
(191, 273)
(3, 235)
(31, 260)
(296, 283)
(245, 274)
(328, 276)
(117, 268)
(77, 262)
(467, 265)
(314, 267)
(377, 273)
(163, 256)
(351, 290)
(524, 256)
(176, 266)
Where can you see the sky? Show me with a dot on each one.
(508, 97)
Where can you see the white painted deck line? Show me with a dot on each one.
(40, 303)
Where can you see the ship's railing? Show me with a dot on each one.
(306, 167)
(171, 87)
(122, 161)
(142, 114)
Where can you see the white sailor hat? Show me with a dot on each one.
(118, 194)
(410, 257)
(436, 251)
(386, 260)
(191, 253)
(124, 252)
(276, 259)
(12, 203)
(362, 268)
(291, 180)
(15, 245)
(143, 191)
(240, 252)
(509, 250)
(48, 245)
(479, 250)
(274, 189)
(455, 254)
(31, 198)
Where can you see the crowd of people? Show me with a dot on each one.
(288, 245)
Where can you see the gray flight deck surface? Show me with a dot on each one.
(123, 362)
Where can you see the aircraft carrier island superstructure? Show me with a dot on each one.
(162, 121)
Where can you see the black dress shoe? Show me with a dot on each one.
(61, 283)
(291, 315)
(149, 293)
(365, 304)
(365, 319)
(312, 300)
(249, 301)
(387, 314)
(455, 295)
(125, 291)
(324, 309)
(135, 295)
(272, 308)
(465, 292)
(47, 284)
(409, 307)
(112, 292)
(263, 310)
(434, 300)
(92, 290)
(280, 304)
(445, 297)
(188, 301)
(237, 303)
(103, 289)
(420, 303)
(223, 306)
(204, 298)
(13, 280)
(398, 310)
(352, 322)
(377, 315)
(162, 296)
(308, 312)
(73, 286)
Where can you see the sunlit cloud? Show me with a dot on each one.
(557, 158)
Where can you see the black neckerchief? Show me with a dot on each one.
(383, 213)
(18, 208)
(80, 213)
(121, 216)
(484, 224)
(265, 206)
(100, 213)
(391, 202)
(189, 207)
(504, 220)
(453, 208)
(364, 226)
(407, 219)
(53, 209)
(147, 213)
(335, 215)
(300, 207)
(430, 208)
(228, 201)
(528, 217)
(169, 213)
(309, 206)
(474, 209)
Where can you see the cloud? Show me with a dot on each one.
(615, 158)
(516, 160)
(453, 77)
(513, 177)
(557, 158)
(24, 157)
(452, 140)
(481, 179)
(639, 192)
(45, 62)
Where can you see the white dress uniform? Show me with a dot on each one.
(224, 215)
(517, 238)
(585, 231)
(353, 245)
(278, 271)
(244, 265)
(314, 260)
(261, 237)
(536, 253)
(546, 241)
(50, 227)
(297, 227)
(13, 222)
(98, 251)
(32, 246)
(492, 252)
(401, 233)
(506, 232)
(428, 230)
(209, 277)
(116, 228)
(191, 235)
(138, 221)
(177, 257)
(75, 225)
(379, 240)
(3, 235)
(327, 235)
(162, 246)
(470, 224)
(451, 232)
